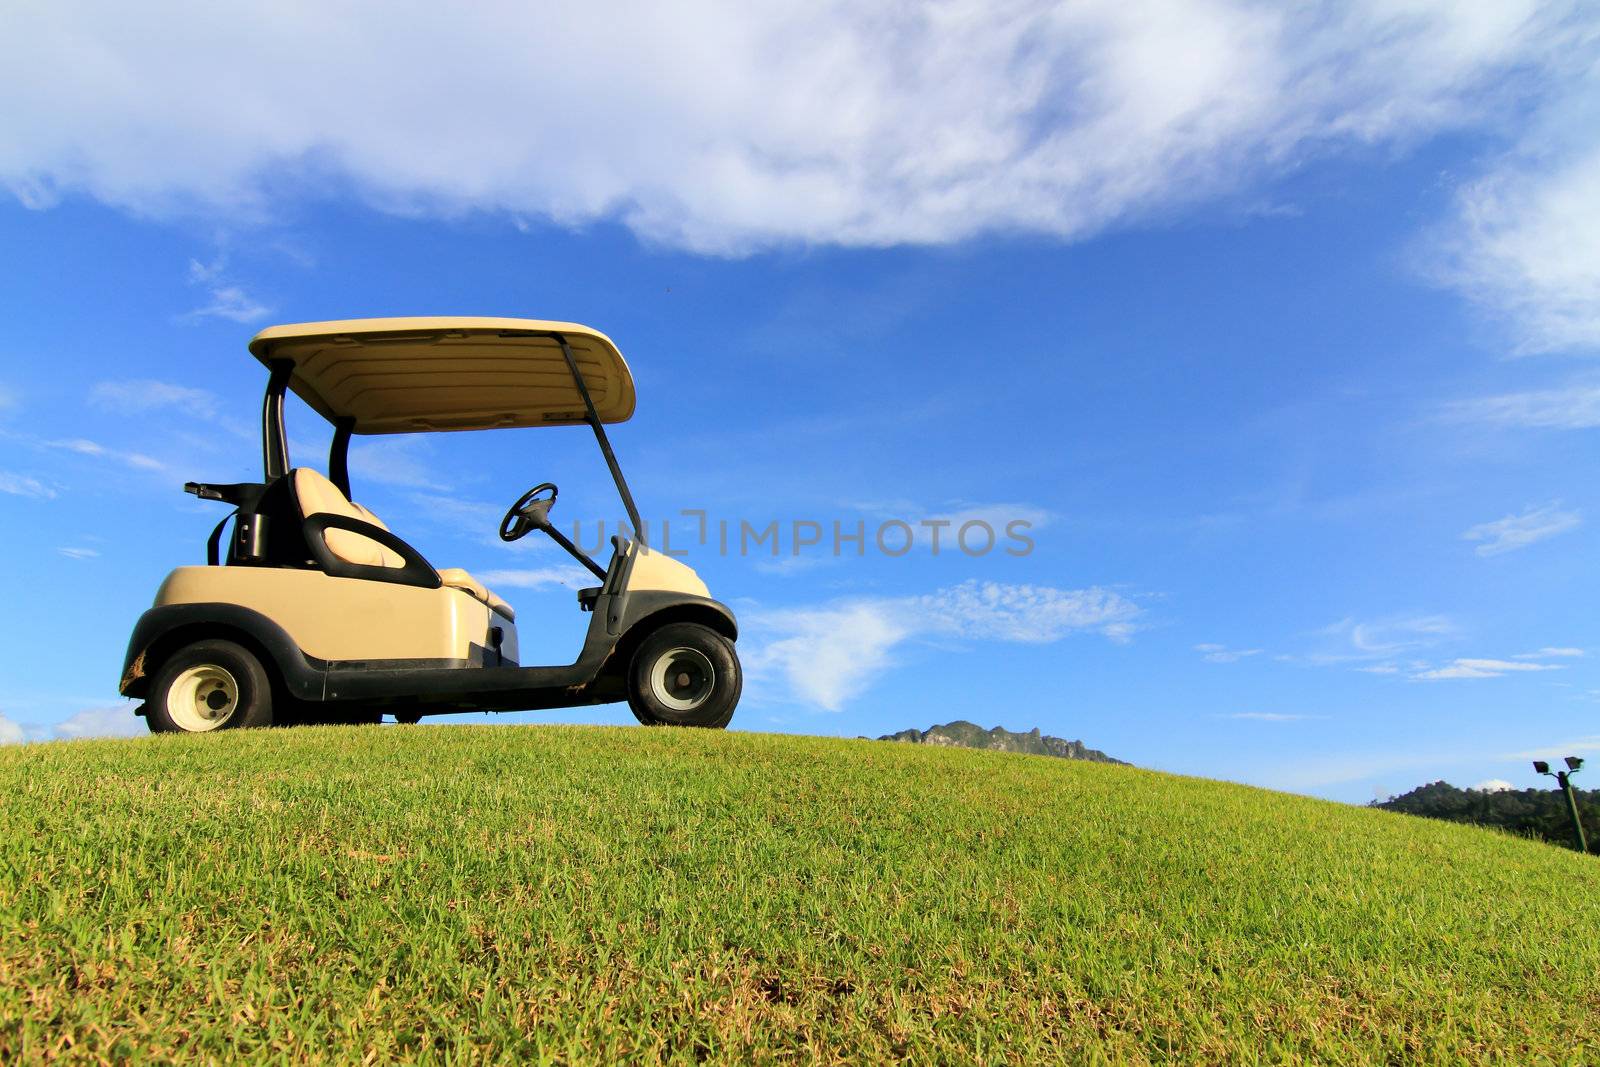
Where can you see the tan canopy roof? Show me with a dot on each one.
(414, 375)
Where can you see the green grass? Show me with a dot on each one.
(564, 894)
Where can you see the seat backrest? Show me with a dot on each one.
(318, 496)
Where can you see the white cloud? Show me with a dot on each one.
(78, 553)
(1552, 653)
(1395, 635)
(84, 447)
(1491, 785)
(726, 127)
(1526, 243)
(1033, 614)
(1222, 654)
(117, 720)
(1520, 531)
(8, 399)
(113, 721)
(22, 485)
(227, 299)
(139, 395)
(1574, 406)
(1483, 668)
(829, 654)
(1381, 668)
(1351, 640)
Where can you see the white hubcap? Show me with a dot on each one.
(202, 698)
(682, 678)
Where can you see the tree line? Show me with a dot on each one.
(1539, 813)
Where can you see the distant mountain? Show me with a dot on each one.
(963, 734)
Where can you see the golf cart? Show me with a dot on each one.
(315, 612)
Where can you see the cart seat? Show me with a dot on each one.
(319, 496)
(456, 578)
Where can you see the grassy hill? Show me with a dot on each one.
(582, 894)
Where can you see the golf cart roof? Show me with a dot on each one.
(415, 375)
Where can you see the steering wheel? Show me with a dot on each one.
(530, 512)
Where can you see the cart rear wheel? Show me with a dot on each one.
(684, 674)
(206, 686)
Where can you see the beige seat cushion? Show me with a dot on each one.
(456, 578)
(318, 496)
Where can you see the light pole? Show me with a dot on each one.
(1565, 778)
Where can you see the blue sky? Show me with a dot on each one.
(1277, 329)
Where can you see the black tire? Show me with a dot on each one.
(408, 718)
(215, 682)
(704, 683)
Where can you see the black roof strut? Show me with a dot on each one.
(274, 439)
(600, 436)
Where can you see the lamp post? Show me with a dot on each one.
(1565, 778)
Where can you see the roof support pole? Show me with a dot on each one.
(274, 438)
(339, 455)
(600, 436)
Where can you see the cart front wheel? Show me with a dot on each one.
(206, 686)
(684, 674)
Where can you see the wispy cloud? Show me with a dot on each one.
(116, 720)
(1552, 653)
(1519, 531)
(78, 553)
(1223, 654)
(1526, 239)
(1355, 641)
(22, 485)
(226, 299)
(769, 125)
(139, 395)
(1482, 668)
(398, 461)
(1030, 614)
(84, 447)
(1574, 406)
(828, 654)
